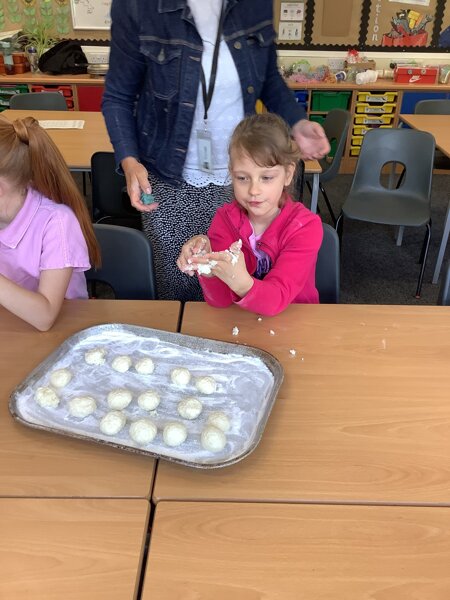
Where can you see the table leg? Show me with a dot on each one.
(443, 246)
(315, 193)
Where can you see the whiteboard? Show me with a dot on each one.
(91, 14)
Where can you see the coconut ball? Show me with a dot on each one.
(206, 385)
(213, 439)
(60, 378)
(180, 376)
(149, 400)
(119, 398)
(46, 397)
(143, 431)
(145, 366)
(121, 364)
(174, 434)
(220, 420)
(96, 356)
(112, 422)
(189, 408)
(82, 406)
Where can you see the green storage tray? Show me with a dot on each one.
(13, 89)
(330, 100)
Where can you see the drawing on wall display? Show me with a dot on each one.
(444, 36)
(291, 31)
(91, 14)
(292, 11)
(401, 27)
(420, 2)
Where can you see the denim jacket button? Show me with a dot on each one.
(237, 45)
(250, 89)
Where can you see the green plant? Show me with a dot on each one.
(38, 36)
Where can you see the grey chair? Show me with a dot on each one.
(444, 290)
(405, 205)
(127, 263)
(110, 202)
(435, 107)
(336, 126)
(38, 101)
(328, 267)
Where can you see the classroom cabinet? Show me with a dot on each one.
(80, 92)
(371, 106)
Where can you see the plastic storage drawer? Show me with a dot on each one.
(381, 120)
(9, 90)
(355, 150)
(374, 109)
(328, 100)
(361, 130)
(379, 97)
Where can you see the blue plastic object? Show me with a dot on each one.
(147, 198)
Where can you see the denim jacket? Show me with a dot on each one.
(154, 73)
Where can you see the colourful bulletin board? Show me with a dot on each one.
(381, 25)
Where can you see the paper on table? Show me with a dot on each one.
(66, 124)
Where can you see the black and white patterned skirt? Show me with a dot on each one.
(182, 213)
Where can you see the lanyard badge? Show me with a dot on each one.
(204, 139)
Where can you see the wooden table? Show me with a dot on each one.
(76, 549)
(76, 145)
(36, 463)
(439, 127)
(297, 552)
(363, 415)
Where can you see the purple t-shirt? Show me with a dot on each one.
(44, 235)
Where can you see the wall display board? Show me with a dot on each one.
(91, 14)
(413, 25)
(336, 22)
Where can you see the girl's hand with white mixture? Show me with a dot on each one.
(195, 247)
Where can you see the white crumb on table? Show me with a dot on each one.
(272, 332)
(235, 330)
(293, 352)
(259, 319)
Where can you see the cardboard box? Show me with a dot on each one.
(416, 74)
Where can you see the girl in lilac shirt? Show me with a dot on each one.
(46, 236)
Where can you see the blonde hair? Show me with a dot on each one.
(266, 139)
(29, 157)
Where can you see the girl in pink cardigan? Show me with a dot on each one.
(261, 249)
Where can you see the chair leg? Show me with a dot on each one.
(424, 255)
(443, 246)
(340, 227)
(327, 202)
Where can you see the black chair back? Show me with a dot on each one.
(328, 267)
(38, 101)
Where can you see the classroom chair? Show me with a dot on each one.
(38, 101)
(336, 126)
(328, 267)
(405, 205)
(127, 263)
(444, 290)
(110, 202)
(435, 107)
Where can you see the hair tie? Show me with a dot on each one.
(21, 131)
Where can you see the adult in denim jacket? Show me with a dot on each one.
(153, 103)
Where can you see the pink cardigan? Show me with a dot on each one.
(292, 242)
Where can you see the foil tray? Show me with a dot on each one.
(248, 380)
